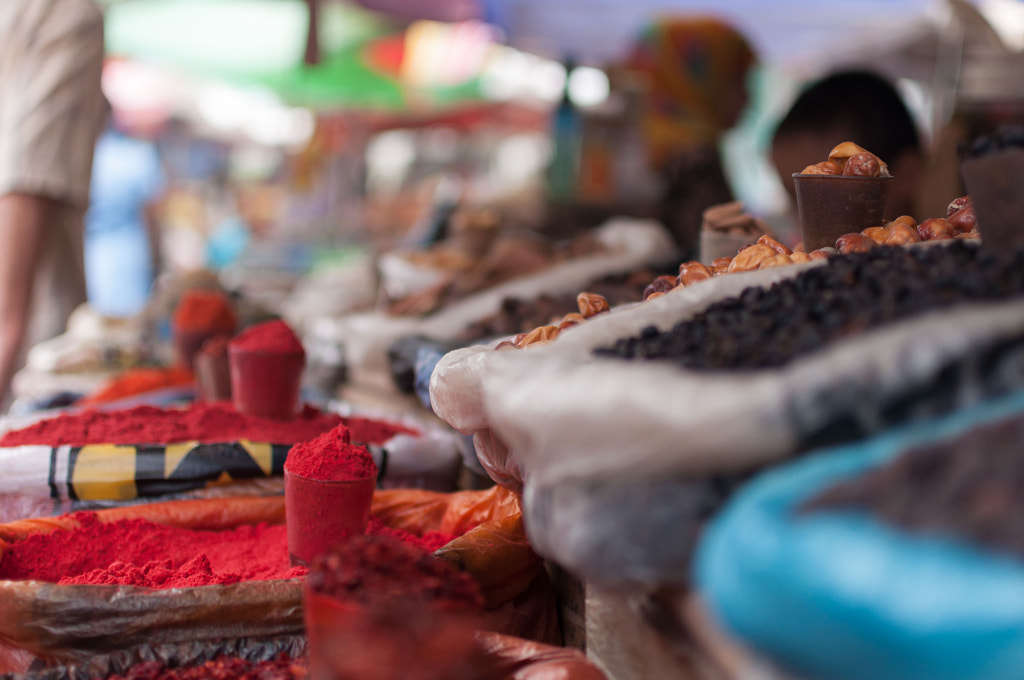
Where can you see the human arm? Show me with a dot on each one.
(24, 219)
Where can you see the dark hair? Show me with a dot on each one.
(861, 107)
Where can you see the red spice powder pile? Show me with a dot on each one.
(331, 457)
(137, 381)
(204, 310)
(221, 668)
(206, 423)
(137, 552)
(270, 336)
(369, 568)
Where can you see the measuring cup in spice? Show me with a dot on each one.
(213, 374)
(843, 195)
(377, 609)
(200, 315)
(328, 487)
(266, 362)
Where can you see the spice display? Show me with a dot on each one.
(331, 457)
(968, 487)
(206, 423)
(769, 327)
(137, 381)
(204, 310)
(368, 569)
(138, 552)
(270, 336)
(221, 668)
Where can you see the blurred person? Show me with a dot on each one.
(861, 107)
(121, 238)
(696, 71)
(51, 113)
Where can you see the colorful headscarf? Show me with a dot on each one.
(693, 68)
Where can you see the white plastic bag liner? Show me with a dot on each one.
(603, 445)
(457, 384)
(366, 337)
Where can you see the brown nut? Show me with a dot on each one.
(540, 334)
(903, 219)
(968, 235)
(800, 257)
(844, 152)
(750, 258)
(863, 164)
(692, 272)
(821, 253)
(774, 245)
(957, 204)
(935, 229)
(721, 269)
(721, 262)
(823, 168)
(655, 296)
(963, 220)
(591, 304)
(662, 284)
(504, 345)
(900, 234)
(877, 234)
(777, 260)
(573, 317)
(854, 243)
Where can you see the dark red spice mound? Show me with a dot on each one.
(206, 423)
(221, 668)
(270, 336)
(369, 569)
(331, 457)
(137, 552)
(204, 310)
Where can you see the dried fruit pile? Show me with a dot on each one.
(969, 487)
(765, 328)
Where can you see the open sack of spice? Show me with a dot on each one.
(628, 244)
(670, 403)
(165, 573)
(100, 458)
(896, 557)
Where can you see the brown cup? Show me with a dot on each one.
(832, 205)
(213, 374)
(994, 183)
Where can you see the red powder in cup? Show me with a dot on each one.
(204, 310)
(206, 423)
(270, 336)
(368, 568)
(331, 457)
(137, 552)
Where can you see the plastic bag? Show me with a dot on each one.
(366, 337)
(61, 623)
(574, 427)
(844, 595)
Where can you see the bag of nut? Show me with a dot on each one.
(646, 417)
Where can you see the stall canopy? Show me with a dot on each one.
(264, 43)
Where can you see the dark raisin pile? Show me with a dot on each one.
(1006, 138)
(768, 327)
(221, 668)
(971, 487)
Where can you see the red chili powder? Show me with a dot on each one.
(270, 336)
(204, 310)
(221, 668)
(138, 552)
(331, 457)
(367, 568)
(138, 381)
(206, 423)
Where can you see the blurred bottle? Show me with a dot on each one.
(566, 129)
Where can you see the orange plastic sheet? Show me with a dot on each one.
(57, 624)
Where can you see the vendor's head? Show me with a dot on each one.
(856, 106)
(696, 77)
